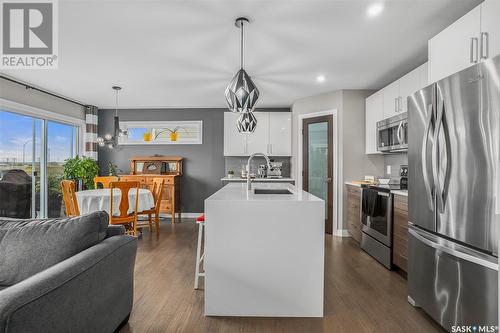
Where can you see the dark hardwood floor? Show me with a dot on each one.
(360, 294)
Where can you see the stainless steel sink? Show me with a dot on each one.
(271, 191)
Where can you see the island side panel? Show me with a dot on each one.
(264, 258)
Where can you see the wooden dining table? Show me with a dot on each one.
(99, 199)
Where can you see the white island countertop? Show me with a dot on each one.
(238, 192)
(264, 253)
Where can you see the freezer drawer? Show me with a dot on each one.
(454, 284)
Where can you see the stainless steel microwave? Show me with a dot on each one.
(392, 134)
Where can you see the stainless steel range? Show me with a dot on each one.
(376, 217)
(454, 143)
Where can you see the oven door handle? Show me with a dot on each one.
(383, 194)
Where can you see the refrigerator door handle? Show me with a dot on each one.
(435, 157)
(454, 250)
(398, 133)
(427, 184)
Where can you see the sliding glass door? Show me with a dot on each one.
(61, 145)
(32, 153)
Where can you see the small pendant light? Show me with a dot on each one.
(111, 140)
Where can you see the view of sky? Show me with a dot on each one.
(16, 131)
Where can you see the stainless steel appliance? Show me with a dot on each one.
(275, 170)
(262, 171)
(454, 142)
(376, 235)
(392, 134)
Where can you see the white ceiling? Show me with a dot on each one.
(183, 53)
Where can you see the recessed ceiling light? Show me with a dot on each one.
(320, 78)
(375, 9)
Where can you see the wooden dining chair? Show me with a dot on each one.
(123, 217)
(157, 190)
(69, 189)
(104, 181)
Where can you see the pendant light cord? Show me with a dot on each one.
(241, 46)
(116, 103)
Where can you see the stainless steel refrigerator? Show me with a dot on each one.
(454, 199)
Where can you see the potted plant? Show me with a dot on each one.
(173, 133)
(82, 170)
(113, 169)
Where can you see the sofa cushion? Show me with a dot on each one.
(30, 246)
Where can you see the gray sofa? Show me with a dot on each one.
(65, 275)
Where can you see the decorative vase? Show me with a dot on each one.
(173, 136)
(147, 136)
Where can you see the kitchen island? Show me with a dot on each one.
(264, 253)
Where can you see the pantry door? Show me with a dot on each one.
(317, 174)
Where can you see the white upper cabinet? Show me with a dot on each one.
(280, 134)
(463, 44)
(456, 47)
(391, 99)
(272, 136)
(409, 84)
(258, 141)
(374, 112)
(490, 29)
(235, 143)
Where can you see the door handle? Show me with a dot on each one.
(398, 133)
(453, 249)
(328, 180)
(435, 157)
(425, 172)
(485, 45)
(474, 50)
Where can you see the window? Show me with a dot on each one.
(32, 153)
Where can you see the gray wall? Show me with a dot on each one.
(204, 165)
(354, 163)
(395, 161)
(19, 94)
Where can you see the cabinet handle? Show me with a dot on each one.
(485, 45)
(474, 50)
(270, 148)
(396, 105)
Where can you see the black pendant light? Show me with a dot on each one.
(111, 140)
(241, 93)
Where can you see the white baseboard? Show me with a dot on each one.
(341, 233)
(184, 215)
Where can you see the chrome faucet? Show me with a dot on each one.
(249, 183)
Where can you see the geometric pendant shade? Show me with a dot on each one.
(241, 93)
(246, 122)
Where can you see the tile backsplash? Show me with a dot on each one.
(395, 161)
(234, 163)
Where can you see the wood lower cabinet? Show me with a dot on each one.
(400, 233)
(354, 212)
(171, 200)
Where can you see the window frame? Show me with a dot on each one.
(45, 116)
